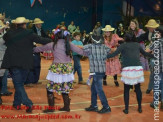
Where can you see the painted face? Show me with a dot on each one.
(77, 38)
(107, 33)
(151, 29)
(132, 25)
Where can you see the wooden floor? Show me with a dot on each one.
(80, 99)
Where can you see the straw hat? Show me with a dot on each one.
(108, 28)
(38, 21)
(152, 24)
(20, 20)
(2, 16)
(2, 25)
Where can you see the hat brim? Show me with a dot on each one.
(21, 22)
(40, 22)
(3, 26)
(105, 29)
(150, 26)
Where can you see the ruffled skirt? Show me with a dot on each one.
(132, 75)
(61, 78)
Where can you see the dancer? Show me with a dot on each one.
(18, 58)
(96, 53)
(113, 66)
(132, 72)
(60, 73)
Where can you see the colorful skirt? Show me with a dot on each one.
(61, 78)
(132, 75)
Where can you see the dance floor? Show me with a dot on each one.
(80, 99)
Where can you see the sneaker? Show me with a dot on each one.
(82, 82)
(29, 109)
(152, 105)
(148, 91)
(88, 82)
(6, 93)
(105, 110)
(91, 108)
(139, 110)
(125, 111)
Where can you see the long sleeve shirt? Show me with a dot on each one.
(59, 51)
(130, 52)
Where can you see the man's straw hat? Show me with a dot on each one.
(38, 21)
(20, 20)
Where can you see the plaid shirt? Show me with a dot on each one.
(97, 53)
(160, 47)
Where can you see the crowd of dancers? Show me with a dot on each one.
(109, 54)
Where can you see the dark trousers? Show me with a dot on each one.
(138, 94)
(19, 77)
(34, 74)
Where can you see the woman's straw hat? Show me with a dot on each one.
(152, 24)
(20, 20)
(2, 25)
(108, 28)
(38, 21)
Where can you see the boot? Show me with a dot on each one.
(50, 97)
(66, 101)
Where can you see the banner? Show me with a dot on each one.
(33, 2)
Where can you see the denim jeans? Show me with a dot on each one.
(97, 89)
(19, 77)
(4, 82)
(77, 67)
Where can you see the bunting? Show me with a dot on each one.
(33, 2)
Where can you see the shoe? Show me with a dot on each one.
(88, 82)
(125, 111)
(29, 109)
(105, 110)
(104, 83)
(148, 91)
(153, 105)
(29, 85)
(37, 83)
(139, 110)
(48, 110)
(17, 107)
(116, 83)
(6, 93)
(91, 108)
(82, 82)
